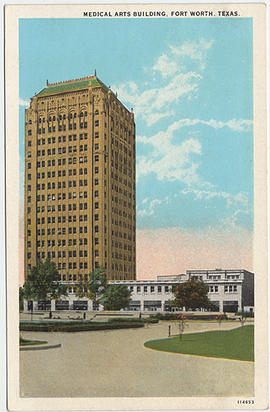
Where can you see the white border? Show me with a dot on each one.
(260, 238)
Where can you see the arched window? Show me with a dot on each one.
(96, 112)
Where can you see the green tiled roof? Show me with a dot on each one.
(66, 87)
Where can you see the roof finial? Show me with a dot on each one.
(47, 82)
(95, 72)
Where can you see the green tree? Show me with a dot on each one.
(191, 295)
(94, 287)
(43, 282)
(21, 296)
(116, 297)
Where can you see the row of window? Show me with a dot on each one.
(61, 219)
(62, 139)
(215, 277)
(70, 253)
(62, 128)
(61, 150)
(121, 235)
(60, 173)
(62, 116)
(120, 213)
(152, 289)
(227, 288)
(59, 162)
(62, 242)
(64, 230)
(116, 266)
(62, 184)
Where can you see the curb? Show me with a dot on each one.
(37, 347)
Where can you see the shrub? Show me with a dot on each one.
(142, 320)
(245, 314)
(77, 326)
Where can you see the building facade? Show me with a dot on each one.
(80, 181)
(228, 290)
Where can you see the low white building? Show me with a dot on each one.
(229, 291)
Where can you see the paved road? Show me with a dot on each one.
(116, 364)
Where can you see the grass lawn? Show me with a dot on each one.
(234, 344)
(27, 342)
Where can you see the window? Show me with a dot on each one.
(138, 289)
(145, 289)
(96, 158)
(96, 146)
(96, 123)
(159, 289)
(96, 169)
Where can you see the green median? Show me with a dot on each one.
(235, 344)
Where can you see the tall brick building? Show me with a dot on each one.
(80, 181)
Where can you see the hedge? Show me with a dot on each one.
(245, 314)
(77, 326)
(142, 320)
(176, 316)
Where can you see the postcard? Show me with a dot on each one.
(136, 165)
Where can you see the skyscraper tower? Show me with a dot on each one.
(80, 181)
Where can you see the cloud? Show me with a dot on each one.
(25, 103)
(152, 118)
(237, 125)
(196, 51)
(158, 102)
(149, 209)
(240, 198)
(166, 66)
(172, 162)
(150, 103)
